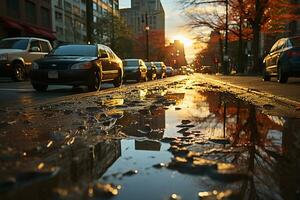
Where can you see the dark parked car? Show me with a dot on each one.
(283, 60)
(151, 70)
(161, 69)
(169, 71)
(75, 65)
(208, 70)
(135, 69)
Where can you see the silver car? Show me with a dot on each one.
(17, 54)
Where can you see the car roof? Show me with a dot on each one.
(34, 38)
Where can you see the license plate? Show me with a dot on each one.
(53, 74)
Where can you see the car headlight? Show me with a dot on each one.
(82, 65)
(34, 66)
(3, 57)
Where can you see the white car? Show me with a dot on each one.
(17, 54)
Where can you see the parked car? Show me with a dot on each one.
(77, 64)
(135, 69)
(169, 71)
(161, 69)
(189, 70)
(17, 54)
(151, 70)
(283, 60)
(208, 69)
(183, 70)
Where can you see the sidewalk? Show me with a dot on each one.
(289, 92)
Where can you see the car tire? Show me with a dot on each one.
(39, 87)
(96, 84)
(281, 76)
(119, 80)
(266, 76)
(18, 73)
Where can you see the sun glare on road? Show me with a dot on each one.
(186, 41)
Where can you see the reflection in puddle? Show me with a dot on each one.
(153, 143)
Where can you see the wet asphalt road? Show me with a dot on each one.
(171, 139)
(22, 94)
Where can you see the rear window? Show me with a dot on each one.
(75, 50)
(295, 41)
(130, 63)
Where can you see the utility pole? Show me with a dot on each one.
(147, 28)
(112, 42)
(89, 20)
(226, 58)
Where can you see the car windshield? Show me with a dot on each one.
(14, 44)
(75, 50)
(295, 41)
(130, 63)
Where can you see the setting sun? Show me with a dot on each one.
(187, 42)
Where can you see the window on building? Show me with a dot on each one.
(95, 6)
(76, 10)
(83, 14)
(45, 17)
(83, 1)
(68, 6)
(30, 10)
(59, 3)
(13, 8)
(58, 16)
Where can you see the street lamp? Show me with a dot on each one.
(147, 29)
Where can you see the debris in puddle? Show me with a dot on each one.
(160, 165)
(219, 140)
(131, 172)
(175, 197)
(218, 195)
(99, 190)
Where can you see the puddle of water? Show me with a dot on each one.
(184, 140)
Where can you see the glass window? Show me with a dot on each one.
(13, 8)
(75, 50)
(45, 47)
(130, 63)
(101, 51)
(35, 43)
(30, 11)
(68, 6)
(45, 17)
(295, 42)
(14, 44)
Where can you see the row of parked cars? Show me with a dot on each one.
(72, 64)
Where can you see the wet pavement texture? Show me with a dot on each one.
(183, 140)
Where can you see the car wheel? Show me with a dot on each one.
(18, 72)
(281, 76)
(119, 80)
(39, 87)
(96, 85)
(266, 76)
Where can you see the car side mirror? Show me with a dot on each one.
(35, 49)
(103, 55)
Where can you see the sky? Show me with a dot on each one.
(175, 21)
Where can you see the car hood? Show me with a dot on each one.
(3, 51)
(72, 59)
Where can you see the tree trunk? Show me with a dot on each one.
(256, 47)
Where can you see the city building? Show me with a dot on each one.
(146, 19)
(175, 54)
(69, 17)
(26, 18)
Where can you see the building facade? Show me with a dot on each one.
(175, 55)
(26, 18)
(69, 17)
(146, 17)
